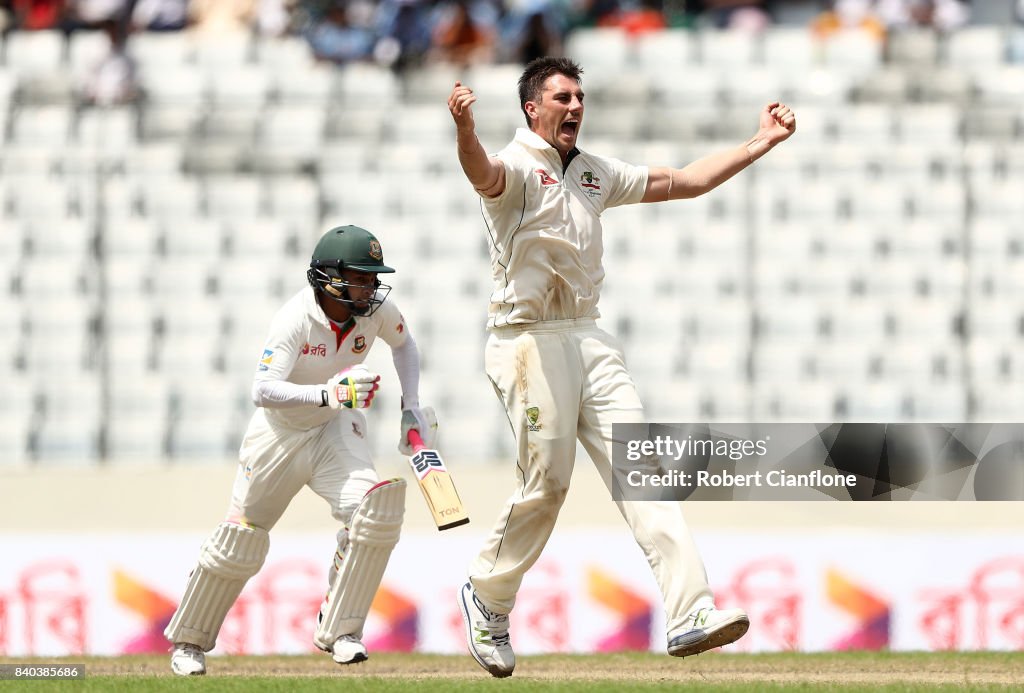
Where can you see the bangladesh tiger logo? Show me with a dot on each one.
(375, 252)
(359, 345)
(532, 417)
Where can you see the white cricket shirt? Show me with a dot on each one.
(545, 230)
(306, 348)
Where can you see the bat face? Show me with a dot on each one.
(438, 489)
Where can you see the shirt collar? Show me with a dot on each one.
(529, 138)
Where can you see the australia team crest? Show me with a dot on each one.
(533, 419)
(590, 183)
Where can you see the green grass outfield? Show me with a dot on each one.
(983, 671)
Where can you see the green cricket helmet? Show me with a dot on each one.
(353, 248)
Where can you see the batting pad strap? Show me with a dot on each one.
(374, 531)
(231, 556)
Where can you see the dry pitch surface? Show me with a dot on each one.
(846, 671)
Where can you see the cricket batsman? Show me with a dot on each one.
(307, 430)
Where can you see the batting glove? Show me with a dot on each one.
(423, 420)
(353, 388)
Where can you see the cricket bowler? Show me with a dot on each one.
(307, 430)
(559, 377)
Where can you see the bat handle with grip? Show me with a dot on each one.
(415, 440)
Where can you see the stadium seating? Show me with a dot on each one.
(866, 270)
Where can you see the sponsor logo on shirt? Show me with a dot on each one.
(590, 184)
(317, 350)
(545, 177)
(359, 345)
(266, 359)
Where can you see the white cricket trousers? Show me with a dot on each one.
(562, 380)
(276, 462)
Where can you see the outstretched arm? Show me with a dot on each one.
(485, 173)
(777, 123)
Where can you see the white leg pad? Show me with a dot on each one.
(373, 533)
(231, 556)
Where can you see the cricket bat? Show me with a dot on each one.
(436, 484)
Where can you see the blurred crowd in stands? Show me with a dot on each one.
(410, 33)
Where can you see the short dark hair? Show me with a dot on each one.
(537, 71)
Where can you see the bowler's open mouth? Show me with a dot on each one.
(569, 127)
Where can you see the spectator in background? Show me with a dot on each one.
(403, 28)
(461, 38)
(95, 14)
(334, 38)
(538, 34)
(942, 15)
(215, 18)
(38, 14)
(112, 80)
(274, 17)
(589, 13)
(739, 15)
(849, 15)
(637, 19)
(159, 15)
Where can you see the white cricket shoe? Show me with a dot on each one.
(486, 634)
(188, 659)
(348, 649)
(709, 628)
